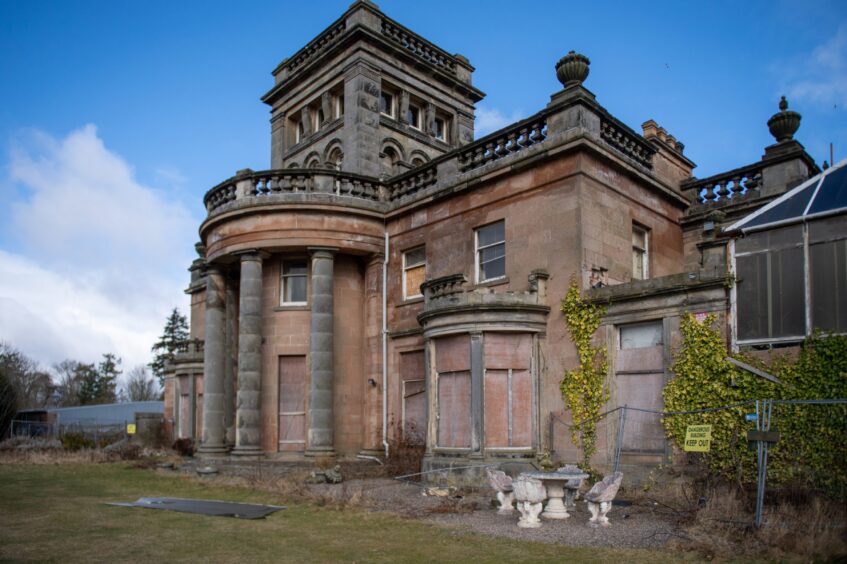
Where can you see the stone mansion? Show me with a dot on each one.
(391, 277)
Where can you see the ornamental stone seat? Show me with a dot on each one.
(504, 489)
(571, 486)
(600, 497)
(530, 493)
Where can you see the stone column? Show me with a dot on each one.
(321, 420)
(231, 362)
(213, 365)
(372, 415)
(248, 415)
(477, 371)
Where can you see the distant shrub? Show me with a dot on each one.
(185, 447)
(76, 441)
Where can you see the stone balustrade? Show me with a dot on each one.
(444, 286)
(507, 141)
(293, 181)
(503, 147)
(419, 46)
(624, 140)
(727, 187)
(190, 346)
(411, 182)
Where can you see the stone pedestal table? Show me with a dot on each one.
(555, 484)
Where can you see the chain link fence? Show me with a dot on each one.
(98, 432)
(634, 440)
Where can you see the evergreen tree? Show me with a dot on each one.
(97, 384)
(88, 381)
(175, 332)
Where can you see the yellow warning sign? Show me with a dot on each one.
(130, 428)
(698, 438)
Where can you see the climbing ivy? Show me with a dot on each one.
(811, 450)
(583, 389)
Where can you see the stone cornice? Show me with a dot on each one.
(351, 28)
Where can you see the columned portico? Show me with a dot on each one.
(321, 419)
(248, 416)
(213, 364)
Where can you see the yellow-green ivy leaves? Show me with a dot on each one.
(811, 451)
(583, 389)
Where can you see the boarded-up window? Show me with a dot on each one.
(414, 272)
(639, 367)
(508, 390)
(198, 407)
(641, 335)
(771, 293)
(454, 391)
(828, 273)
(414, 397)
(292, 403)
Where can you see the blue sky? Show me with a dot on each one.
(116, 117)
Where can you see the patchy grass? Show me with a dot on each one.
(56, 512)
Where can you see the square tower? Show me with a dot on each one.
(369, 96)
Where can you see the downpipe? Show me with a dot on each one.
(385, 347)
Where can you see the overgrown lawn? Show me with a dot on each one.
(57, 512)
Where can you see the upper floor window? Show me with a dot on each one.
(293, 282)
(491, 252)
(414, 116)
(339, 105)
(440, 129)
(299, 132)
(640, 250)
(386, 104)
(414, 272)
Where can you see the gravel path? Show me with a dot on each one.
(632, 526)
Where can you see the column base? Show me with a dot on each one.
(320, 452)
(247, 452)
(212, 451)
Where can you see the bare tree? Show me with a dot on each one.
(33, 387)
(140, 386)
(68, 382)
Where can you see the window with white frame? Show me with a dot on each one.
(414, 272)
(386, 103)
(640, 253)
(491, 252)
(299, 132)
(293, 282)
(413, 116)
(440, 129)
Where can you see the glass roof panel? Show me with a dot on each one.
(833, 192)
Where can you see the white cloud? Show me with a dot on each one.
(488, 120)
(821, 76)
(101, 258)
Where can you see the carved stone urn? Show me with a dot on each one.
(572, 69)
(785, 123)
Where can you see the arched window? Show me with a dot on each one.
(335, 158)
(390, 158)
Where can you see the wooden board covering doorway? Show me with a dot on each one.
(292, 403)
